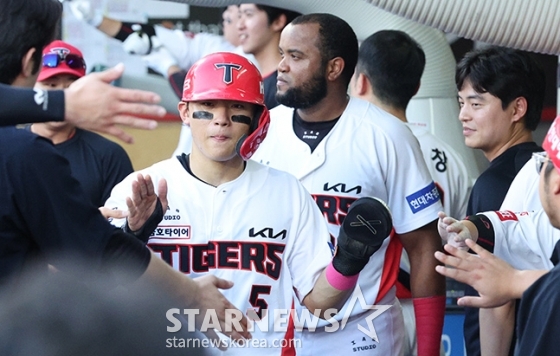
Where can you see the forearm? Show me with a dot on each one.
(22, 106)
(174, 283)
(523, 280)
(496, 329)
(420, 246)
(428, 290)
(324, 296)
(109, 26)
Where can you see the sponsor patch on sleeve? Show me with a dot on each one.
(506, 215)
(423, 198)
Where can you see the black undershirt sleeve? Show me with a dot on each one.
(486, 235)
(124, 252)
(149, 226)
(24, 105)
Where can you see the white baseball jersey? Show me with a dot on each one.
(188, 47)
(367, 153)
(262, 230)
(525, 240)
(523, 193)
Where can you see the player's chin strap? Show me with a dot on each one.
(247, 145)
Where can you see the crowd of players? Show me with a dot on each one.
(223, 212)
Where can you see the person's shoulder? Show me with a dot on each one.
(367, 113)
(97, 141)
(281, 112)
(22, 141)
(99, 147)
(271, 173)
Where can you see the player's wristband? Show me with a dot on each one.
(429, 313)
(486, 235)
(339, 281)
(149, 226)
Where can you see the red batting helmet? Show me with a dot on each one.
(228, 76)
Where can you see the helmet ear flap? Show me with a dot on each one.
(247, 145)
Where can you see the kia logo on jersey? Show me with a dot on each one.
(341, 188)
(228, 70)
(267, 232)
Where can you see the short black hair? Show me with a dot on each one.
(275, 12)
(336, 39)
(393, 63)
(506, 74)
(25, 24)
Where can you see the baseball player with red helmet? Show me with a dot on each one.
(233, 217)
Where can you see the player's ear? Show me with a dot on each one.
(519, 107)
(183, 108)
(334, 68)
(360, 84)
(28, 64)
(554, 181)
(279, 23)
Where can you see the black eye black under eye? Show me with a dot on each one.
(243, 119)
(203, 115)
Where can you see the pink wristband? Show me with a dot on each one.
(339, 281)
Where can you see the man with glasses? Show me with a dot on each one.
(525, 237)
(96, 162)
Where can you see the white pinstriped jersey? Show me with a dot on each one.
(525, 240)
(262, 230)
(367, 153)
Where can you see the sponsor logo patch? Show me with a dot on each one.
(423, 198)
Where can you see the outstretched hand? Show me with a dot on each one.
(453, 231)
(492, 277)
(144, 199)
(92, 103)
(232, 321)
(109, 213)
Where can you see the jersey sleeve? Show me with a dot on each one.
(524, 240)
(412, 194)
(311, 251)
(22, 106)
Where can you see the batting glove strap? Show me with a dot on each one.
(151, 224)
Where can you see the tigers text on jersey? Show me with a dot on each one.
(367, 153)
(262, 231)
